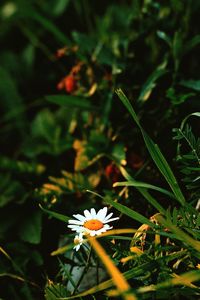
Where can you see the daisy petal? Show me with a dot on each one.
(113, 219)
(93, 233)
(108, 216)
(77, 247)
(99, 213)
(75, 222)
(102, 213)
(79, 217)
(102, 230)
(87, 214)
(93, 213)
(107, 227)
(75, 227)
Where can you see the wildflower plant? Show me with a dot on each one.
(165, 238)
(90, 95)
(78, 241)
(92, 222)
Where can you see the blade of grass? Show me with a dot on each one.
(196, 114)
(117, 277)
(129, 212)
(63, 249)
(56, 215)
(71, 101)
(150, 83)
(183, 279)
(49, 26)
(143, 191)
(5, 253)
(17, 277)
(143, 185)
(154, 151)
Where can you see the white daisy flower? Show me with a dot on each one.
(78, 241)
(92, 222)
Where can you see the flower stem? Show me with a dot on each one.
(84, 271)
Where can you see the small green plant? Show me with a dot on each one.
(188, 155)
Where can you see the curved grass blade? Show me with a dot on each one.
(184, 279)
(144, 185)
(154, 151)
(143, 191)
(195, 114)
(49, 26)
(129, 212)
(56, 215)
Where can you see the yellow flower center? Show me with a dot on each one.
(93, 224)
(77, 241)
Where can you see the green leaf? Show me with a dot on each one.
(30, 229)
(150, 84)
(56, 215)
(55, 291)
(11, 190)
(162, 35)
(11, 101)
(178, 98)
(37, 258)
(49, 26)
(155, 152)
(192, 84)
(85, 41)
(60, 6)
(118, 153)
(44, 125)
(71, 101)
(191, 44)
(20, 166)
(177, 48)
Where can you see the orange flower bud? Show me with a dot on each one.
(70, 84)
(61, 52)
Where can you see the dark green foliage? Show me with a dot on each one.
(188, 156)
(63, 131)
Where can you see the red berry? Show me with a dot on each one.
(112, 172)
(70, 84)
